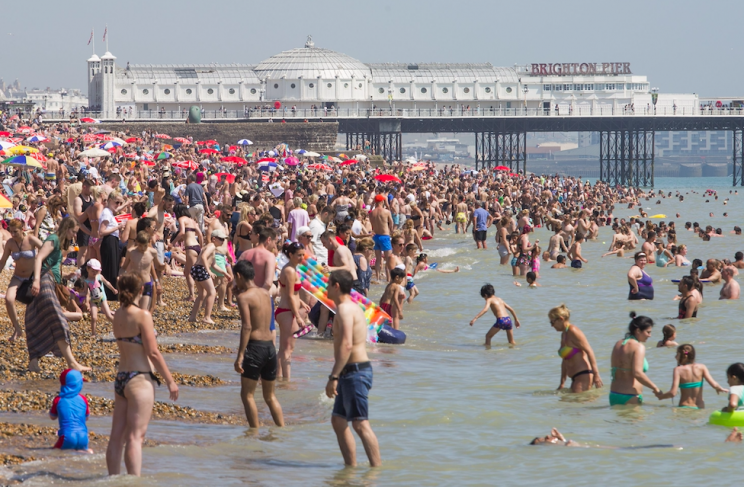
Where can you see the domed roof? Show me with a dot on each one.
(311, 62)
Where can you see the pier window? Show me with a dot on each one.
(567, 87)
(253, 91)
(123, 92)
(312, 85)
(346, 85)
(423, 90)
(557, 87)
(145, 91)
(210, 91)
(232, 91)
(466, 90)
(381, 90)
(329, 85)
(508, 90)
(292, 86)
(166, 91)
(188, 91)
(546, 87)
(446, 90)
(488, 89)
(402, 90)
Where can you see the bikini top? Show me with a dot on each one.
(297, 285)
(691, 385)
(683, 309)
(135, 339)
(23, 254)
(189, 229)
(615, 369)
(566, 352)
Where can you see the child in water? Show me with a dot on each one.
(410, 272)
(670, 334)
(392, 299)
(688, 377)
(531, 279)
(735, 375)
(71, 408)
(422, 264)
(499, 309)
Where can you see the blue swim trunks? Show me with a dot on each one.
(503, 323)
(396, 219)
(382, 242)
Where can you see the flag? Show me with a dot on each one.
(91, 37)
(105, 32)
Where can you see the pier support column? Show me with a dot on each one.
(389, 145)
(355, 140)
(626, 157)
(485, 150)
(511, 151)
(738, 158)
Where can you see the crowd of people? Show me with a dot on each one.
(91, 237)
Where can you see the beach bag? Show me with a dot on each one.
(23, 293)
(63, 295)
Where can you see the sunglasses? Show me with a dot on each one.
(307, 236)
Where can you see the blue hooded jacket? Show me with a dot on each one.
(71, 408)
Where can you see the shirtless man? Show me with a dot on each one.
(730, 289)
(649, 247)
(342, 257)
(556, 244)
(140, 260)
(256, 353)
(264, 262)
(711, 272)
(82, 202)
(395, 205)
(574, 253)
(52, 169)
(461, 215)
(582, 224)
(739, 260)
(351, 377)
(382, 222)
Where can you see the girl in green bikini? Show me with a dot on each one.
(688, 377)
(629, 364)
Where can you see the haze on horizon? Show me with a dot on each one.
(682, 46)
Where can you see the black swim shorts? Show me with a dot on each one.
(260, 360)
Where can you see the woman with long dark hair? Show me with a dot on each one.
(45, 322)
(109, 234)
(629, 364)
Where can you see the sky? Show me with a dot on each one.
(682, 46)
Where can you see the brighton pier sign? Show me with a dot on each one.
(572, 69)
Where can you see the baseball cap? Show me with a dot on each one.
(219, 233)
(94, 264)
(379, 197)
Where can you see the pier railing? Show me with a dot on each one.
(273, 114)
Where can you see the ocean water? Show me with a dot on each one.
(448, 412)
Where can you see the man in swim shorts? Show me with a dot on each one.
(481, 221)
(461, 215)
(256, 353)
(351, 377)
(382, 222)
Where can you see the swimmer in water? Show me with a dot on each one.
(574, 253)
(735, 376)
(619, 249)
(560, 262)
(422, 264)
(578, 360)
(641, 284)
(531, 278)
(392, 298)
(688, 377)
(629, 365)
(670, 334)
(499, 309)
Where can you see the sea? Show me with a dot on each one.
(449, 412)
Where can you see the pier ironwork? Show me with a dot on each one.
(738, 157)
(626, 157)
(501, 149)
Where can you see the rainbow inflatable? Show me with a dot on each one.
(315, 281)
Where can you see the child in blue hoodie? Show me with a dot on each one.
(72, 409)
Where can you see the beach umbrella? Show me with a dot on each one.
(348, 162)
(111, 145)
(265, 159)
(185, 165)
(360, 157)
(14, 140)
(6, 145)
(334, 159)
(102, 132)
(235, 160)
(300, 151)
(94, 152)
(245, 142)
(267, 166)
(320, 167)
(37, 138)
(208, 151)
(230, 178)
(163, 155)
(22, 161)
(291, 161)
(501, 168)
(206, 142)
(21, 149)
(386, 178)
(417, 167)
(310, 154)
(132, 140)
(131, 155)
(40, 157)
(147, 162)
(119, 141)
(89, 138)
(4, 134)
(24, 130)
(4, 202)
(162, 136)
(89, 120)
(182, 140)
(104, 137)
(166, 147)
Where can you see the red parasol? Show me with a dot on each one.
(321, 167)
(206, 142)
(235, 160)
(4, 134)
(162, 136)
(185, 165)
(208, 151)
(182, 140)
(25, 130)
(348, 162)
(132, 140)
(123, 218)
(277, 105)
(230, 178)
(386, 178)
(89, 120)
(266, 159)
(501, 168)
(147, 162)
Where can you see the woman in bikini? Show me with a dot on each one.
(688, 378)
(203, 271)
(22, 249)
(93, 215)
(629, 364)
(291, 312)
(578, 361)
(135, 382)
(242, 240)
(189, 232)
(689, 301)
